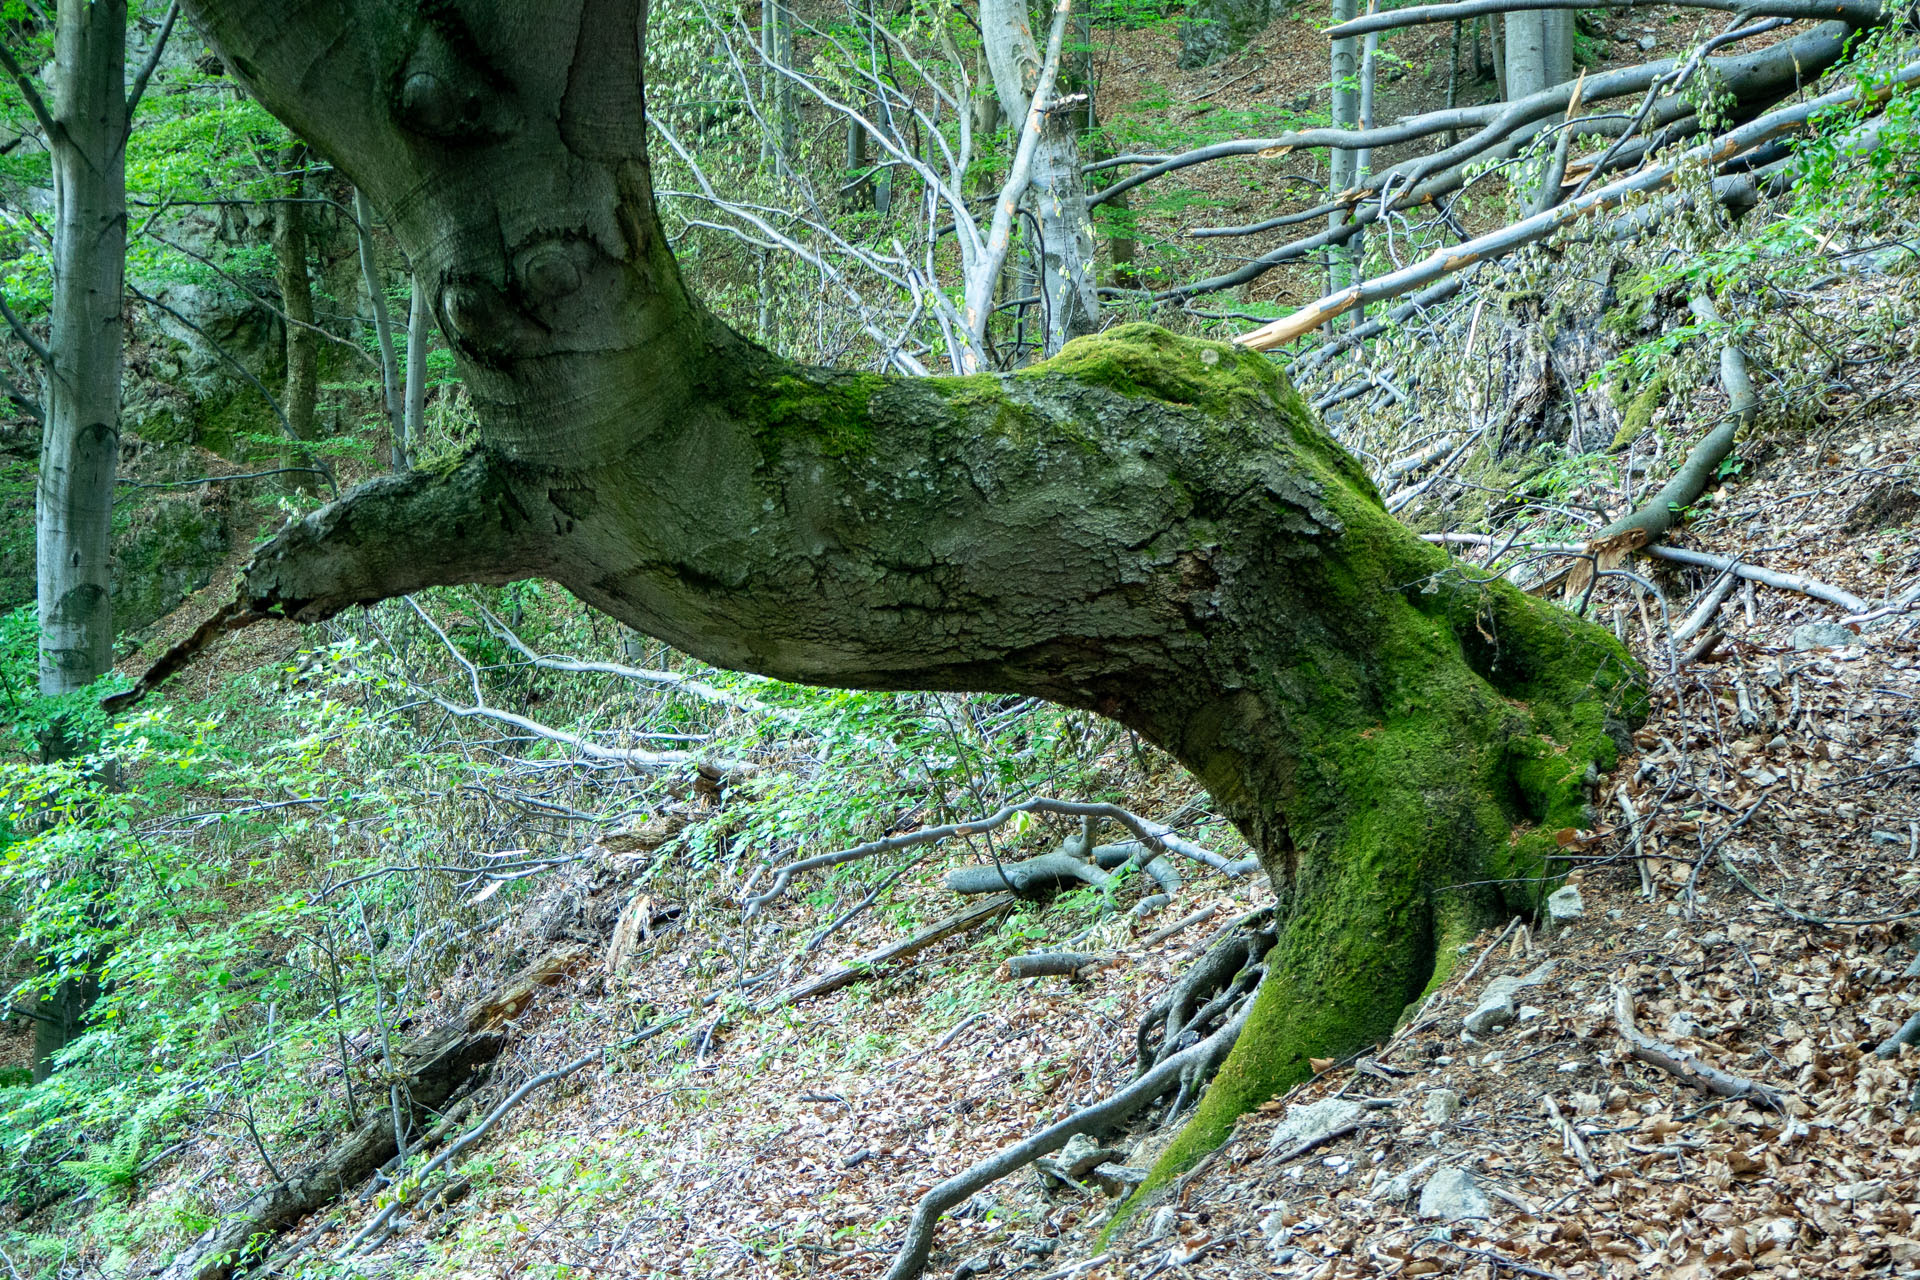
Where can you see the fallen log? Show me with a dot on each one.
(434, 1067)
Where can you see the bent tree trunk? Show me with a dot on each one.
(1147, 527)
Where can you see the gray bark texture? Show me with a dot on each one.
(1056, 191)
(1152, 528)
(81, 442)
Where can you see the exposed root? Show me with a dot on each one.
(911, 1259)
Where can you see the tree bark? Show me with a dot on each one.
(1056, 191)
(81, 442)
(1148, 527)
(290, 255)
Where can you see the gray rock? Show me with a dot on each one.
(1214, 28)
(1646, 43)
(1117, 1179)
(1164, 1219)
(1440, 1107)
(1079, 1158)
(1496, 1002)
(1822, 635)
(1305, 1128)
(1565, 904)
(1399, 1187)
(1452, 1195)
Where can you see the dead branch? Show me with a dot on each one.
(960, 922)
(1153, 839)
(1863, 13)
(434, 1068)
(1798, 583)
(1527, 231)
(1571, 1141)
(1054, 964)
(911, 1259)
(1161, 934)
(673, 680)
(1683, 1065)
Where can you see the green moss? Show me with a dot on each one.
(828, 411)
(1638, 417)
(235, 427)
(1144, 360)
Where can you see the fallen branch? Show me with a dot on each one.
(1053, 964)
(378, 1221)
(1653, 519)
(1161, 934)
(1153, 839)
(1538, 227)
(1798, 583)
(1863, 13)
(911, 1259)
(435, 1067)
(977, 914)
(1683, 1065)
(1571, 1141)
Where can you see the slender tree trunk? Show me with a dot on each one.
(1345, 85)
(1149, 527)
(290, 253)
(1056, 196)
(81, 443)
(419, 338)
(776, 90)
(391, 393)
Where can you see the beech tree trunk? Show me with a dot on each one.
(1148, 527)
(81, 443)
(290, 254)
(1056, 192)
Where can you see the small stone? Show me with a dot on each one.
(1452, 1195)
(1528, 1012)
(1714, 939)
(1496, 1008)
(1400, 1187)
(1495, 1011)
(1440, 1107)
(1615, 914)
(1163, 1222)
(1307, 1127)
(1117, 1179)
(1646, 43)
(1565, 904)
(1889, 837)
(1821, 635)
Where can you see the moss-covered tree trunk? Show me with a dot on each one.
(1148, 527)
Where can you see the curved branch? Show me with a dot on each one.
(388, 537)
(1859, 12)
